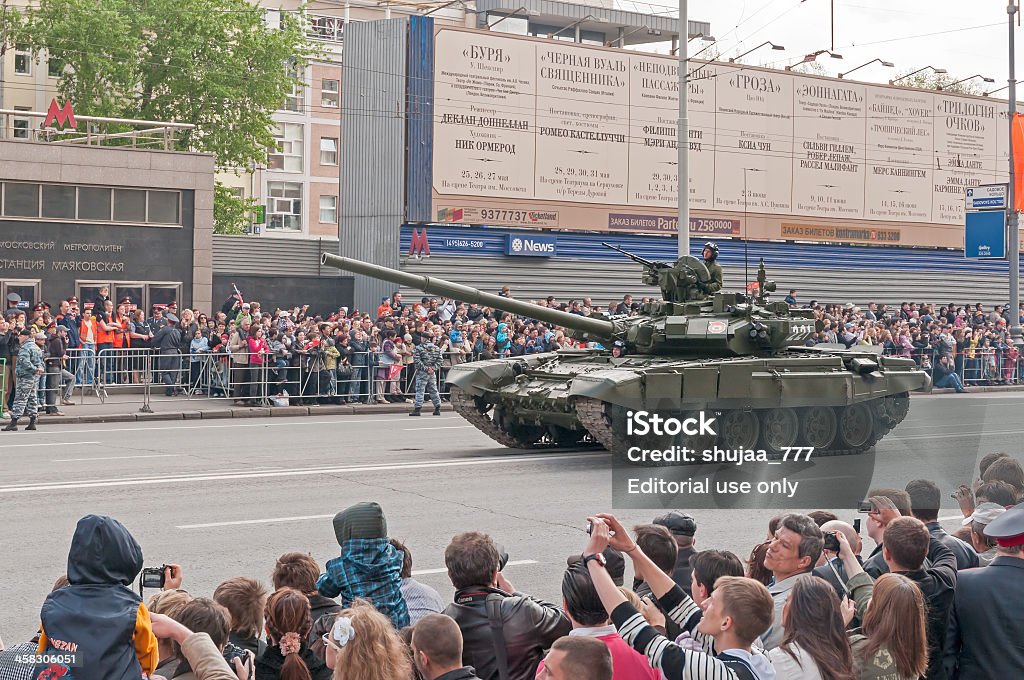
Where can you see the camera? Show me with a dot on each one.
(153, 577)
(831, 541)
(865, 506)
(502, 557)
(232, 652)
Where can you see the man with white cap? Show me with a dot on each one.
(985, 625)
(982, 516)
(27, 371)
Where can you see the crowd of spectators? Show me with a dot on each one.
(282, 356)
(810, 603)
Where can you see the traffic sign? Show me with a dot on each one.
(985, 197)
(985, 235)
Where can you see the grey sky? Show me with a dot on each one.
(909, 33)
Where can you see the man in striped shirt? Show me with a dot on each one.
(736, 614)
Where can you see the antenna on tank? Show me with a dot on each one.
(746, 250)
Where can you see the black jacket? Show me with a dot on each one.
(464, 673)
(268, 666)
(937, 582)
(98, 612)
(986, 629)
(966, 557)
(529, 626)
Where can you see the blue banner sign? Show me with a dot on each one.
(985, 235)
(531, 245)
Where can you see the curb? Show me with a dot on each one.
(252, 412)
(979, 389)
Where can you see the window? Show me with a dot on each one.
(21, 199)
(288, 156)
(329, 209)
(329, 93)
(21, 125)
(328, 151)
(163, 207)
(94, 203)
(284, 206)
(54, 67)
(129, 205)
(326, 28)
(22, 61)
(296, 101)
(59, 201)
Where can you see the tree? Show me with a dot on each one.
(231, 214)
(930, 80)
(216, 64)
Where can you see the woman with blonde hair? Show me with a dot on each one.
(363, 645)
(892, 641)
(287, 656)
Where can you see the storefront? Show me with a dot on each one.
(75, 220)
(536, 264)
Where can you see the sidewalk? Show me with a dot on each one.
(126, 408)
(122, 407)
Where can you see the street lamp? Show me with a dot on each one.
(746, 274)
(985, 94)
(577, 23)
(887, 64)
(733, 60)
(964, 80)
(938, 71)
(808, 58)
(710, 39)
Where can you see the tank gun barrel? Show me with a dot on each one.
(598, 328)
(636, 258)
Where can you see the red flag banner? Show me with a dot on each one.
(1018, 161)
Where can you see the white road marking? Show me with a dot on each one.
(271, 520)
(140, 427)
(20, 446)
(444, 570)
(147, 481)
(75, 460)
(443, 427)
(950, 518)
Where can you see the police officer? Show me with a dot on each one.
(710, 255)
(27, 372)
(427, 360)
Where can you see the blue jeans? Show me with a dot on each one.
(86, 364)
(951, 380)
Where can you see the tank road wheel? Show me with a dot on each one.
(818, 427)
(856, 427)
(740, 429)
(780, 428)
(478, 412)
(893, 409)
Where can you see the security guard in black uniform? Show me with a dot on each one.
(710, 255)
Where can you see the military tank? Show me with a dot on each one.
(735, 356)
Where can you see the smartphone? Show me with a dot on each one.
(865, 506)
(856, 525)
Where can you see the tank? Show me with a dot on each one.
(739, 357)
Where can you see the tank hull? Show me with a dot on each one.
(839, 402)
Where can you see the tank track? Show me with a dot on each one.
(466, 407)
(593, 416)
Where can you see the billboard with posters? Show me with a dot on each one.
(579, 137)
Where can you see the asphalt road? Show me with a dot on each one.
(225, 498)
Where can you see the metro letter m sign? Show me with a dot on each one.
(418, 244)
(63, 116)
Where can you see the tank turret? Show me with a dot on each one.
(687, 319)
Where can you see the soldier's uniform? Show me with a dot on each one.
(717, 281)
(30, 360)
(427, 355)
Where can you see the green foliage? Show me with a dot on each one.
(231, 214)
(213, 63)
